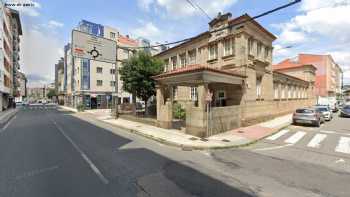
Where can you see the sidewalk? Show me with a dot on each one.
(6, 116)
(234, 138)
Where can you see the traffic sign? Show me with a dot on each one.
(93, 47)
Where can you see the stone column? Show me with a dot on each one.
(164, 109)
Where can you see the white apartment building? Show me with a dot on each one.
(92, 83)
(10, 30)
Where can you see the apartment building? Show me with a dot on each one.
(22, 88)
(328, 80)
(224, 79)
(10, 32)
(92, 83)
(59, 80)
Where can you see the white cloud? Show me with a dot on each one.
(54, 24)
(182, 9)
(150, 31)
(26, 10)
(40, 51)
(321, 27)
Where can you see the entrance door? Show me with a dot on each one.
(94, 103)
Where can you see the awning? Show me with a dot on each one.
(198, 74)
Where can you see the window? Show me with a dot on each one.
(99, 83)
(112, 35)
(99, 69)
(183, 60)
(112, 83)
(229, 47)
(221, 98)
(283, 92)
(258, 86)
(267, 52)
(166, 65)
(276, 87)
(192, 56)
(112, 71)
(250, 46)
(173, 62)
(194, 94)
(174, 92)
(258, 49)
(213, 52)
(289, 91)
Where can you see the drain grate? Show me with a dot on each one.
(193, 139)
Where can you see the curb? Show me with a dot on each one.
(8, 117)
(178, 145)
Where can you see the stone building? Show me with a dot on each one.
(227, 69)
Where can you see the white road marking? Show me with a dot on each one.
(8, 123)
(334, 132)
(278, 135)
(316, 140)
(340, 161)
(273, 148)
(91, 164)
(295, 138)
(343, 145)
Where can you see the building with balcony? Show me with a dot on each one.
(92, 83)
(10, 32)
(22, 88)
(224, 79)
(328, 81)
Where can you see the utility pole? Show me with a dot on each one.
(116, 85)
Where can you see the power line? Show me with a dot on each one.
(229, 26)
(196, 6)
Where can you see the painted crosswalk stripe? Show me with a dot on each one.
(316, 140)
(295, 138)
(278, 135)
(343, 145)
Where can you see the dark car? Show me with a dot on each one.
(345, 111)
(310, 116)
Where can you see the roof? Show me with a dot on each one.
(127, 41)
(245, 17)
(290, 76)
(291, 63)
(184, 43)
(238, 20)
(196, 68)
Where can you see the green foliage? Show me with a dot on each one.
(178, 111)
(51, 93)
(137, 73)
(81, 107)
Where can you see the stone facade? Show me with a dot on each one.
(232, 62)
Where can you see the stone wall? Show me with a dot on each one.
(258, 111)
(224, 119)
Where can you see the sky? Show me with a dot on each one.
(312, 26)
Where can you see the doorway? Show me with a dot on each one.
(93, 103)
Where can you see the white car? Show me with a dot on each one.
(325, 111)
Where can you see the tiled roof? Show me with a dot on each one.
(299, 61)
(290, 76)
(127, 41)
(196, 68)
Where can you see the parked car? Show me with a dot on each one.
(309, 116)
(325, 111)
(345, 111)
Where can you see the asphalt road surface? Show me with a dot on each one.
(49, 152)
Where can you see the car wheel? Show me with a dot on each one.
(318, 123)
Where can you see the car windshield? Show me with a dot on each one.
(305, 111)
(321, 109)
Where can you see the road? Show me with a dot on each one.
(48, 152)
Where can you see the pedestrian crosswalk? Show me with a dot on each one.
(338, 144)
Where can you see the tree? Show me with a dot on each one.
(136, 74)
(51, 93)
